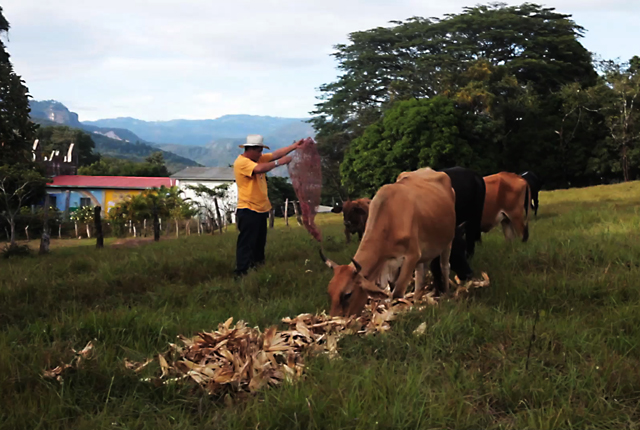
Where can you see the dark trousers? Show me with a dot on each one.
(251, 240)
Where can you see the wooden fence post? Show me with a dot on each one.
(297, 211)
(286, 212)
(44, 241)
(97, 222)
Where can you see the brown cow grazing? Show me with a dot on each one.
(507, 202)
(354, 214)
(411, 222)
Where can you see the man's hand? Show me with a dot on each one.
(297, 144)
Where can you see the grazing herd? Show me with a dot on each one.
(426, 218)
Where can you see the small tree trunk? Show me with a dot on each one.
(215, 200)
(45, 240)
(177, 228)
(188, 228)
(144, 227)
(199, 226)
(297, 211)
(160, 224)
(75, 224)
(12, 240)
(286, 212)
(135, 231)
(97, 221)
(26, 230)
(8, 234)
(59, 230)
(130, 227)
(272, 217)
(88, 230)
(156, 225)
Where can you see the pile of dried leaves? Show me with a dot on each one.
(238, 358)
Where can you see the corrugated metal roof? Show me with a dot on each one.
(121, 182)
(206, 173)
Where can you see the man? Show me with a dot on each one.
(253, 202)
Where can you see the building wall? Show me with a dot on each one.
(103, 197)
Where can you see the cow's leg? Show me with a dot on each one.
(408, 267)
(360, 235)
(347, 235)
(440, 270)
(419, 282)
(535, 203)
(507, 228)
(519, 226)
(458, 259)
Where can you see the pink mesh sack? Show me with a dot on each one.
(306, 177)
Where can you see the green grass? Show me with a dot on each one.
(580, 269)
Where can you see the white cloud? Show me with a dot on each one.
(166, 59)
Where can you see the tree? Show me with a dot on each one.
(279, 190)
(84, 215)
(16, 129)
(618, 94)
(60, 136)
(213, 203)
(411, 135)
(506, 62)
(108, 166)
(18, 188)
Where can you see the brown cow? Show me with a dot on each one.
(411, 222)
(354, 214)
(507, 202)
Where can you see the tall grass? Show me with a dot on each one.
(579, 272)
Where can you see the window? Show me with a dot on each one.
(52, 201)
(85, 201)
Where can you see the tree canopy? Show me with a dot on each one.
(503, 68)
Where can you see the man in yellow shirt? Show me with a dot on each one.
(250, 170)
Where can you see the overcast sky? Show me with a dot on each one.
(196, 59)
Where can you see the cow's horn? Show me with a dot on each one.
(357, 265)
(326, 260)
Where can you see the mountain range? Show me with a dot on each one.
(210, 142)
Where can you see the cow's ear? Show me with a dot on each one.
(336, 209)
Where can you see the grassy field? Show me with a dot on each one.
(580, 270)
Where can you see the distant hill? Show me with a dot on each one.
(211, 142)
(202, 132)
(130, 151)
(111, 142)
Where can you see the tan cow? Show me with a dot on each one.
(507, 202)
(411, 222)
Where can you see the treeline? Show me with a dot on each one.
(492, 88)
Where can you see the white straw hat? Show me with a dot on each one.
(254, 140)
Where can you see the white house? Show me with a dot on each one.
(211, 177)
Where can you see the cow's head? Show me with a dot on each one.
(354, 215)
(349, 290)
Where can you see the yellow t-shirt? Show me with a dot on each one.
(252, 188)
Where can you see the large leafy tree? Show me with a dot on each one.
(16, 129)
(59, 138)
(153, 167)
(509, 62)
(412, 134)
(21, 182)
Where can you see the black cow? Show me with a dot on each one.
(535, 184)
(470, 192)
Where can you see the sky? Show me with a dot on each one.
(158, 60)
